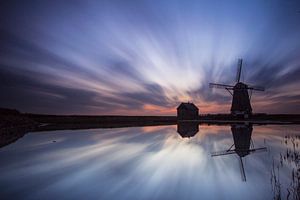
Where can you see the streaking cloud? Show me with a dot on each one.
(144, 57)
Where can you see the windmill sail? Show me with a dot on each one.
(217, 85)
(222, 153)
(243, 175)
(239, 70)
(255, 87)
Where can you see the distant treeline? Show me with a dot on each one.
(255, 116)
(109, 120)
(7, 111)
(81, 119)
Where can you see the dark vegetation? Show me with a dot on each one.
(55, 122)
(101, 120)
(289, 158)
(13, 126)
(260, 117)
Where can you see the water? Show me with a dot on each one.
(152, 163)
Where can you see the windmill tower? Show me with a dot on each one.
(240, 105)
(243, 145)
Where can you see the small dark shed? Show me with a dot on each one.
(187, 111)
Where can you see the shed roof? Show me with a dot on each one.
(187, 106)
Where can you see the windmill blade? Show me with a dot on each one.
(239, 70)
(243, 175)
(257, 150)
(223, 86)
(257, 88)
(222, 153)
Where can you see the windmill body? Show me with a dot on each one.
(240, 105)
(241, 100)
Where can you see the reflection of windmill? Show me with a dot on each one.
(243, 145)
(240, 96)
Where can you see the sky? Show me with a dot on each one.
(145, 57)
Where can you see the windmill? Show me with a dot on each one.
(241, 105)
(243, 145)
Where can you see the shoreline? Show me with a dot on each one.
(14, 125)
(106, 120)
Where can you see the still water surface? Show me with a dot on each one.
(152, 163)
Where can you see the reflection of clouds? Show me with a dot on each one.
(139, 57)
(136, 163)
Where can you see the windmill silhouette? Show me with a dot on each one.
(241, 105)
(243, 145)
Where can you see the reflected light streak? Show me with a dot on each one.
(135, 163)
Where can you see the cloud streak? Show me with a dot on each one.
(143, 58)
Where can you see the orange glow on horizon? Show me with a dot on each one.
(150, 109)
(159, 109)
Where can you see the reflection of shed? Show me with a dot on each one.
(187, 129)
(187, 111)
